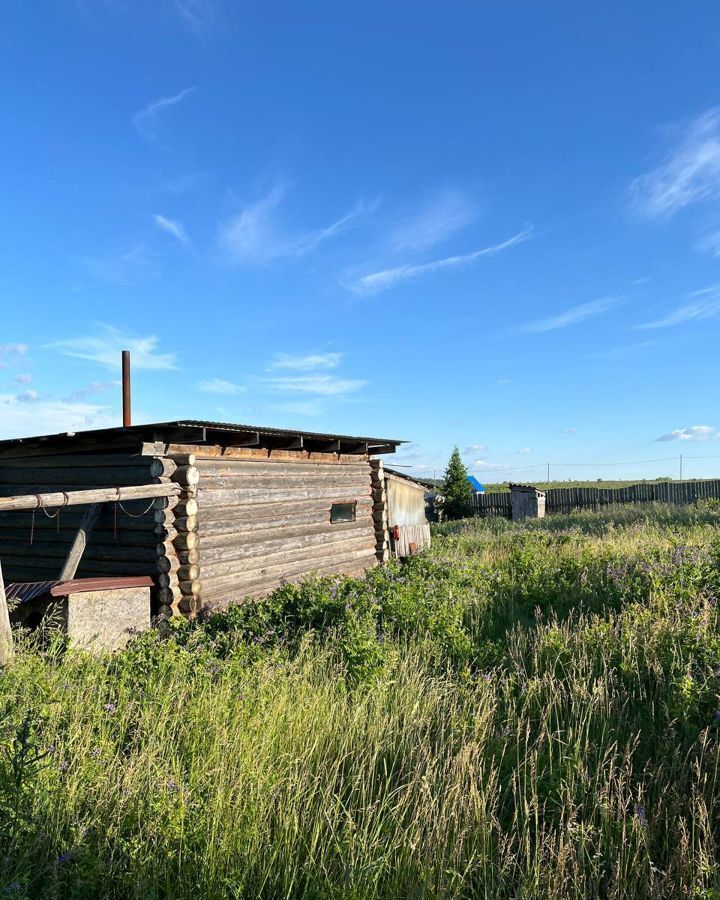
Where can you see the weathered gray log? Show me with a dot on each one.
(169, 595)
(265, 514)
(163, 467)
(190, 588)
(49, 567)
(59, 552)
(186, 507)
(255, 589)
(166, 564)
(282, 544)
(187, 476)
(182, 459)
(49, 478)
(185, 523)
(186, 540)
(285, 482)
(232, 535)
(6, 638)
(306, 557)
(97, 495)
(188, 573)
(271, 576)
(67, 573)
(284, 469)
(167, 580)
(276, 494)
(188, 556)
(77, 460)
(101, 535)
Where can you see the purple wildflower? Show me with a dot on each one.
(95, 752)
(110, 707)
(64, 766)
(172, 785)
(12, 888)
(641, 816)
(64, 858)
(717, 715)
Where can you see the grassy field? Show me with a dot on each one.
(595, 483)
(523, 712)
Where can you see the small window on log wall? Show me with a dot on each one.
(342, 512)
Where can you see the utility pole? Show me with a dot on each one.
(548, 477)
(681, 478)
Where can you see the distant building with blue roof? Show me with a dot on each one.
(477, 488)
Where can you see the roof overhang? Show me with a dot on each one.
(200, 433)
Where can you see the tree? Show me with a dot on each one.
(457, 492)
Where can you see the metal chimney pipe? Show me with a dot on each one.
(127, 418)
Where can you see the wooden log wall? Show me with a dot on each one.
(380, 510)
(178, 553)
(573, 499)
(263, 519)
(33, 547)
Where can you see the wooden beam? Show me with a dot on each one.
(249, 439)
(6, 639)
(98, 495)
(78, 545)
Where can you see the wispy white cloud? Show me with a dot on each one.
(694, 433)
(704, 305)
(172, 227)
(572, 316)
(198, 15)
(710, 243)
(220, 386)
(569, 430)
(525, 450)
(22, 415)
(92, 390)
(307, 362)
(447, 213)
(300, 407)
(323, 385)
(27, 396)
(474, 448)
(122, 268)
(105, 348)
(254, 237)
(689, 173)
(623, 351)
(487, 466)
(380, 281)
(504, 381)
(11, 353)
(23, 378)
(147, 121)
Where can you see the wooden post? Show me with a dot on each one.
(78, 546)
(6, 640)
(127, 417)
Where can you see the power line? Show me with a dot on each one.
(499, 470)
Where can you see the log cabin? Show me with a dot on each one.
(256, 507)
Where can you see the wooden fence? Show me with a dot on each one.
(571, 499)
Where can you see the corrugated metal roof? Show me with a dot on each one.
(418, 481)
(107, 583)
(24, 592)
(172, 432)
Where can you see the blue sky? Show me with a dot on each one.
(483, 224)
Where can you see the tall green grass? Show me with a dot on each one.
(524, 711)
